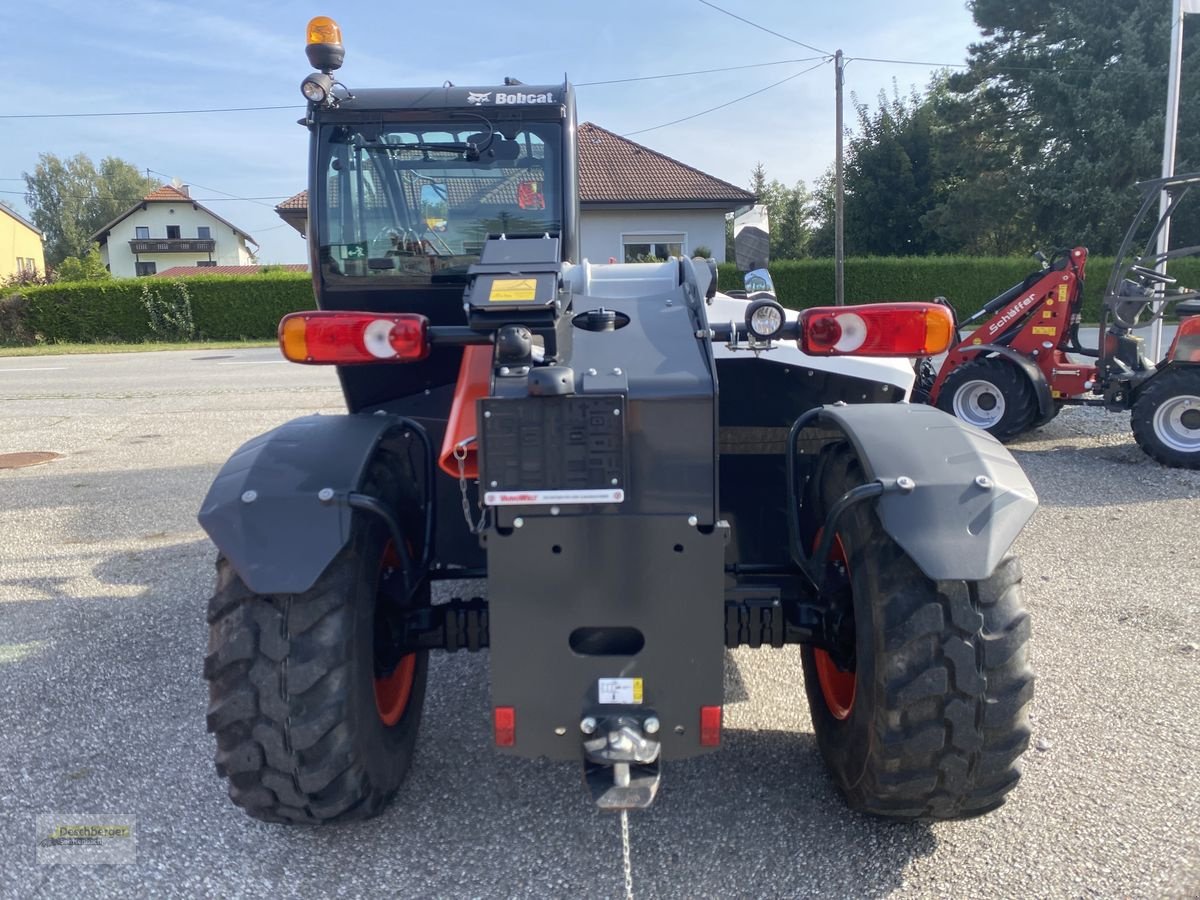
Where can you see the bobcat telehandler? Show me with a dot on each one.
(646, 472)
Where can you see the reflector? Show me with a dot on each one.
(350, 338)
(876, 329)
(710, 726)
(505, 720)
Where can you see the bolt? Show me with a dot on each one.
(560, 730)
(504, 370)
(495, 483)
(616, 371)
(693, 521)
(616, 412)
(650, 726)
(518, 522)
(554, 510)
(249, 496)
(840, 403)
(905, 484)
(615, 482)
(325, 495)
(984, 482)
(487, 413)
(591, 371)
(587, 725)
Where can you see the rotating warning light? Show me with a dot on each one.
(324, 44)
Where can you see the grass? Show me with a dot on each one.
(147, 347)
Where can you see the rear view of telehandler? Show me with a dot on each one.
(1021, 366)
(645, 471)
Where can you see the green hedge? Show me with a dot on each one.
(223, 307)
(967, 282)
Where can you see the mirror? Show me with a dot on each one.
(752, 239)
(435, 205)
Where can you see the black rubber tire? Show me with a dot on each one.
(1020, 401)
(1173, 383)
(939, 718)
(291, 688)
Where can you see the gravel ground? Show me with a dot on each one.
(103, 579)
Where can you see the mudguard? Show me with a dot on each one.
(970, 501)
(263, 510)
(1041, 388)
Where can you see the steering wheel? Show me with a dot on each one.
(1152, 275)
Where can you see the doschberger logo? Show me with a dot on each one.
(1011, 313)
(476, 99)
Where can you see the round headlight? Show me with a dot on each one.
(316, 87)
(764, 319)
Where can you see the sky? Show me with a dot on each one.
(99, 56)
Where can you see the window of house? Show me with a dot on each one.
(146, 268)
(172, 232)
(205, 263)
(204, 233)
(652, 247)
(142, 232)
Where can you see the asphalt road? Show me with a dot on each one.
(104, 576)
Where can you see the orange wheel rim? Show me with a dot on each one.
(392, 691)
(837, 687)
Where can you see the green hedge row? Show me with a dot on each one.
(967, 282)
(223, 307)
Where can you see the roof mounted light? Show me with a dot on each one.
(317, 87)
(324, 45)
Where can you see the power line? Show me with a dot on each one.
(151, 112)
(723, 105)
(937, 65)
(216, 191)
(782, 62)
(139, 199)
(767, 30)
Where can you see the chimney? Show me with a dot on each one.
(185, 190)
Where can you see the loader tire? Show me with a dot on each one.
(932, 719)
(991, 394)
(315, 723)
(1166, 417)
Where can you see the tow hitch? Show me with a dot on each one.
(621, 761)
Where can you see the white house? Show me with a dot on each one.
(168, 228)
(634, 203)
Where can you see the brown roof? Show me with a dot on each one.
(613, 169)
(165, 194)
(180, 271)
(616, 169)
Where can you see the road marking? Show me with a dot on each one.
(33, 369)
(257, 362)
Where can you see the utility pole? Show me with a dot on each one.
(839, 248)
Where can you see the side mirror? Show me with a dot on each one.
(752, 239)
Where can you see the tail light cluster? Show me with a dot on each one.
(348, 338)
(876, 329)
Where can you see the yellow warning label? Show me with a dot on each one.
(637, 690)
(513, 289)
(1062, 293)
(1045, 329)
(977, 341)
(1047, 314)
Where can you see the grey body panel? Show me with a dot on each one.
(281, 541)
(1041, 387)
(950, 526)
(610, 571)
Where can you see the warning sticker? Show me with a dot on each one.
(509, 289)
(619, 690)
(541, 498)
(1049, 330)
(1062, 293)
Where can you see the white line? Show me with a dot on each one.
(34, 369)
(257, 362)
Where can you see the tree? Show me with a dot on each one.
(89, 267)
(788, 208)
(70, 200)
(1071, 94)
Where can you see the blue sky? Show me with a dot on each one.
(67, 56)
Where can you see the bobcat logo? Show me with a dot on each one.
(477, 99)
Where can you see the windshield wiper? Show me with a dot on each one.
(469, 151)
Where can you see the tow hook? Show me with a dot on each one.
(621, 761)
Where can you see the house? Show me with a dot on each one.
(168, 228)
(634, 203)
(20, 245)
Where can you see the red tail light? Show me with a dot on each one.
(347, 338)
(876, 329)
(505, 720)
(710, 726)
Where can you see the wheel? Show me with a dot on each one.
(991, 394)
(315, 717)
(1166, 417)
(931, 717)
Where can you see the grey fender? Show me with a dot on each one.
(263, 510)
(1041, 387)
(971, 498)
